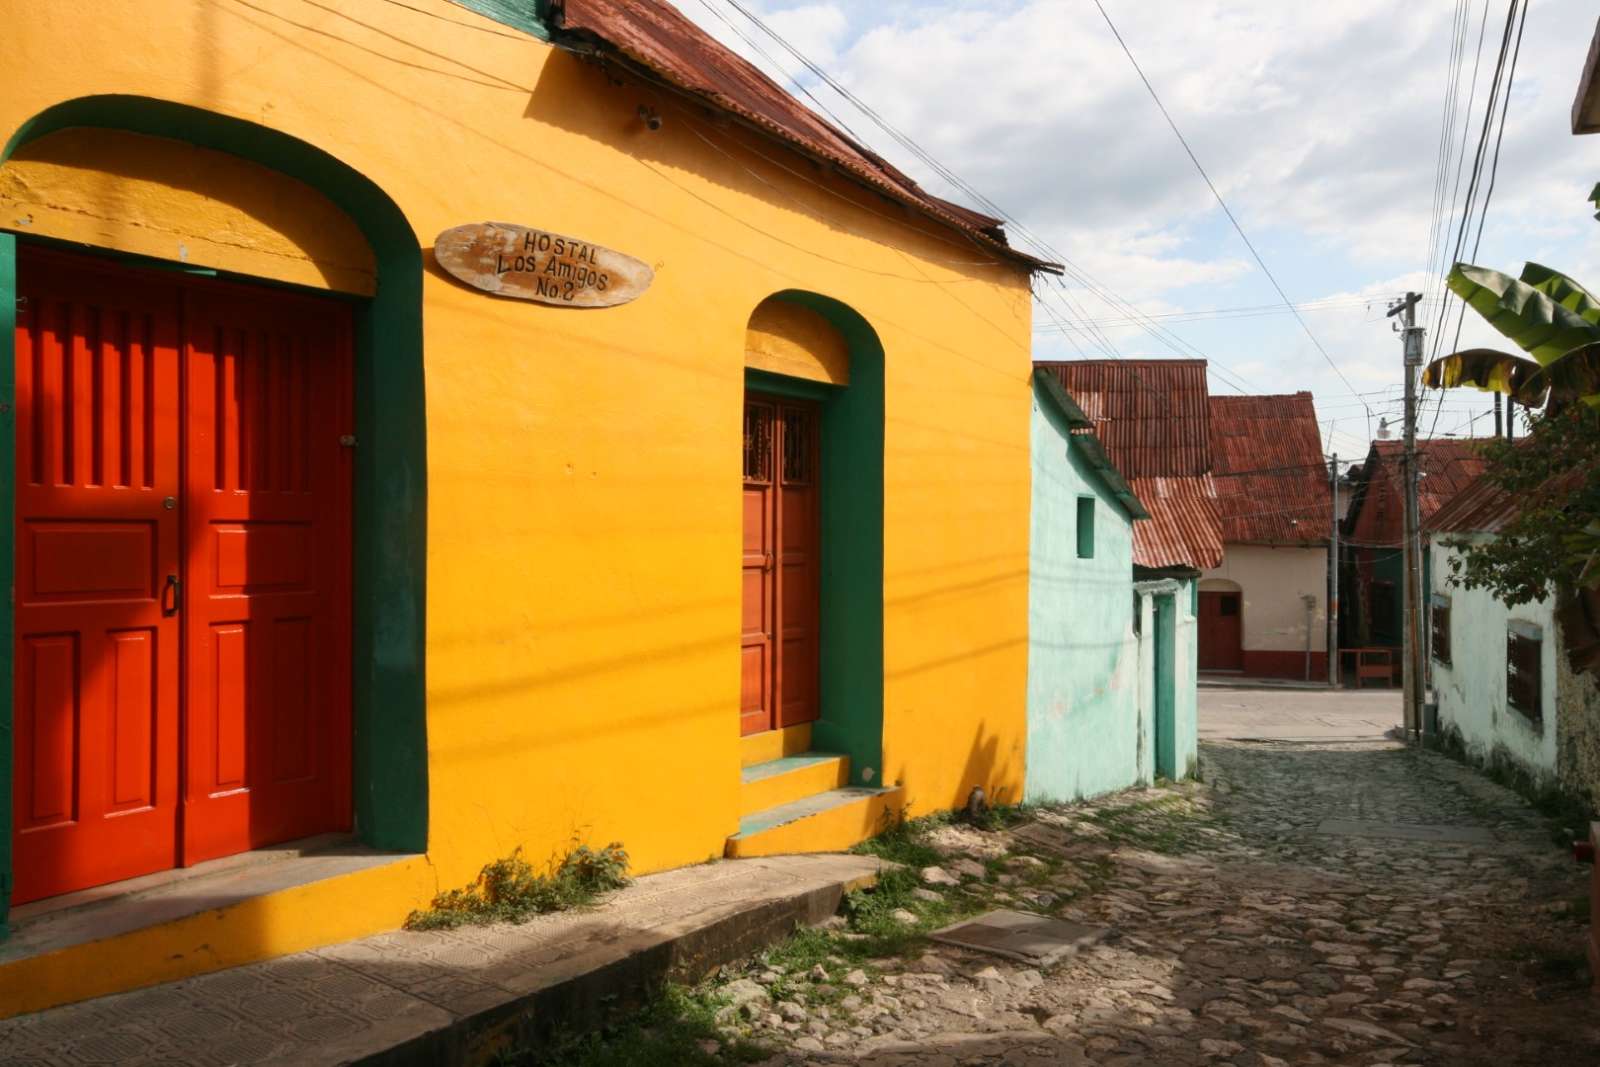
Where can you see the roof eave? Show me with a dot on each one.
(589, 46)
(1093, 450)
(1586, 105)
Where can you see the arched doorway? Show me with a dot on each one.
(377, 773)
(814, 374)
(1221, 625)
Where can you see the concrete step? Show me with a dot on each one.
(779, 781)
(826, 822)
(774, 744)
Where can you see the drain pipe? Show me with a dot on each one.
(1311, 614)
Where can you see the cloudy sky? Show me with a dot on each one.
(1318, 122)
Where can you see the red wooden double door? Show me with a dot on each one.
(182, 677)
(1220, 636)
(781, 566)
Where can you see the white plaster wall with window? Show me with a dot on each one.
(1470, 682)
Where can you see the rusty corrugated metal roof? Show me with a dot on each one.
(1447, 465)
(1184, 530)
(1484, 507)
(1152, 417)
(1151, 414)
(1272, 486)
(653, 35)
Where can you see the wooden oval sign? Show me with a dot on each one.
(549, 268)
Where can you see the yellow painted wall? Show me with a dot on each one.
(584, 523)
(155, 197)
(788, 338)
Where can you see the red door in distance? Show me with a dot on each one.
(1221, 648)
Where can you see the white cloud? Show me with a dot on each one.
(1319, 122)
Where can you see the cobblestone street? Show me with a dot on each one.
(1327, 902)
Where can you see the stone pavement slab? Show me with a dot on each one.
(445, 996)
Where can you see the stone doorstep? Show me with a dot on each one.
(107, 911)
(460, 996)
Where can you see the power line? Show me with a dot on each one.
(1220, 201)
(1477, 170)
(1076, 272)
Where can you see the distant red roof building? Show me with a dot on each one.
(1377, 515)
(651, 38)
(1272, 485)
(1152, 417)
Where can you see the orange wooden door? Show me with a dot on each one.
(1219, 637)
(779, 643)
(97, 638)
(266, 587)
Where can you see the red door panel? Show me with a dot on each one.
(756, 650)
(96, 683)
(779, 630)
(797, 567)
(266, 523)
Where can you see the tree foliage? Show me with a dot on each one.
(1554, 537)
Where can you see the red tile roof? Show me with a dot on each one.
(1272, 485)
(1152, 417)
(652, 36)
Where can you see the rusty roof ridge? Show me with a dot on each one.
(887, 180)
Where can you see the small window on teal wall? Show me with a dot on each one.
(1086, 527)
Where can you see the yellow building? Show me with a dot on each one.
(322, 526)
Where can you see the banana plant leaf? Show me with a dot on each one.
(1572, 376)
(1594, 198)
(1563, 290)
(1533, 320)
(1489, 370)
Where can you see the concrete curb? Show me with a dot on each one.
(586, 992)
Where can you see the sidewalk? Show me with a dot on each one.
(1240, 713)
(449, 996)
(1240, 681)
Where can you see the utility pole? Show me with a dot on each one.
(1411, 651)
(1333, 580)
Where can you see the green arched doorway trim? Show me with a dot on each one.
(851, 618)
(390, 772)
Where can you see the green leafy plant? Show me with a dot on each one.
(1551, 317)
(510, 890)
(1550, 541)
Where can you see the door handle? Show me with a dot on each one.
(175, 587)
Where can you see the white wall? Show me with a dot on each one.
(1471, 690)
(1272, 581)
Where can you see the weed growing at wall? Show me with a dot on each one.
(1567, 812)
(510, 890)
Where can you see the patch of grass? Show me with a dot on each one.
(510, 890)
(677, 1029)
(905, 842)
